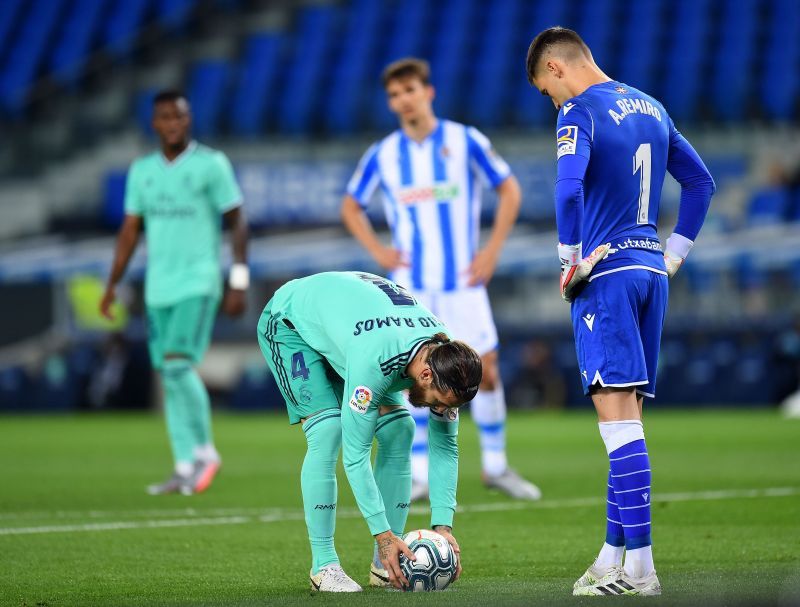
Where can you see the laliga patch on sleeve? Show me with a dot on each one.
(566, 140)
(362, 397)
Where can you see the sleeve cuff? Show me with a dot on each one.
(679, 245)
(377, 523)
(441, 516)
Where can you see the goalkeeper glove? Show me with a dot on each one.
(678, 248)
(574, 270)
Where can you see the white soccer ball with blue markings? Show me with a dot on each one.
(436, 562)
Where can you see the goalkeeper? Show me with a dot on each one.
(342, 347)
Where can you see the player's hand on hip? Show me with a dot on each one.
(573, 275)
(673, 263)
(445, 532)
(390, 547)
(106, 303)
(482, 267)
(389, 258)
(234, 302)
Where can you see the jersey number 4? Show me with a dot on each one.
(642, 160)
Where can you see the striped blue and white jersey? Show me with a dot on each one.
(432, 198)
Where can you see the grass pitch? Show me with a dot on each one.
(76, 527)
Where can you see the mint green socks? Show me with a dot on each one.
(318, 482)
(394, 433)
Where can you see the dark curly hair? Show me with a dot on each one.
(455, 366)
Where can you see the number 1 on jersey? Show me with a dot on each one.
(642, 160)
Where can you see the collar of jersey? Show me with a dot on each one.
(413, 352)
(169, 164)
(430, 137)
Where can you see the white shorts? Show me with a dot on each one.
(466, 313)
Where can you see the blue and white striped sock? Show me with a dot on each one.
(630, 477)
(488, 411)
(614, 547)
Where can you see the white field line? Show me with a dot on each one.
(239, 516)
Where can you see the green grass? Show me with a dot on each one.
(67, 472)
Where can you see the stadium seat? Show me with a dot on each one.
(769, 206)
(15, 393)
(113, 209)
(77, 41)
(208, 87)
(11, 13)
(355, 70)
(174, 13)
(781, 61)
(29, 52)
(449, 53)
(306, 70)
(254, 95)
(640, 49)
(124, 24)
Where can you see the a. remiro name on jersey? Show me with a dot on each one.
(432, 198)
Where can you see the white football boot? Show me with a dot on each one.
(379, 577)
(617, 582)
(332, 579)
(511, 483)
(593, 575)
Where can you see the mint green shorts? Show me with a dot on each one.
(184, 328)
(305, 378)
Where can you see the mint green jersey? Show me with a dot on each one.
(181, 203)
(369, 329)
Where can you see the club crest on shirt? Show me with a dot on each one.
(566, 140)
(362, 397)
(621, 90)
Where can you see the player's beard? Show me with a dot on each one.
(416, 396)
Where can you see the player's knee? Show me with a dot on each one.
(324, 437)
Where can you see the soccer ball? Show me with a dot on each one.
(436, 562)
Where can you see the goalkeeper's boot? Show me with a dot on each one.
(204, 473)
(332, 579)
(177, 483)
(379, 577)
(512, 484)
(617, 582)
(593, 575)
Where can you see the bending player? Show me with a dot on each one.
(431, 173)
(615, 145)
(342, 347)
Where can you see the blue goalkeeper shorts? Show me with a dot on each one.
(617, 321)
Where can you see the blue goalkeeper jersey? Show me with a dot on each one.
(621, 138)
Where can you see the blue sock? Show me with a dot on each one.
(630, 475)
(615, 536)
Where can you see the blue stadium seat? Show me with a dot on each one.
(355, 70)
(28, 53)
(733, 59)
(208, 87)
(114, 198)
(685, 49)
(768, 206)
(498, 65)
(175, 13)
(449, 55)
(304, 87)
(11, 12)
(122, 27)
(781, 61)
(410, 27)
(143, 110)
(639, 45)
(596, 24)
(255, 92)
(77, 41)
(530, 109)
(15, 394)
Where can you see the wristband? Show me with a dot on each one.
(570, 254)
(678, 246)
(239, 277)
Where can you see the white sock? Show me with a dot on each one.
(206, 453)
(639, 562)
(184, 468)
(419, 447)
(488, 410)
(610, 556)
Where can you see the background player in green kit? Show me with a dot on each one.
(342, 347)
(179, 194)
